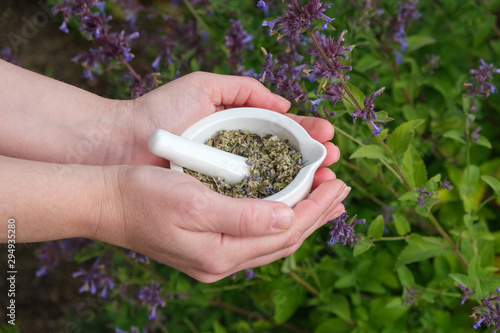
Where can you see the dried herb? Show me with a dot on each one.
(273, 164)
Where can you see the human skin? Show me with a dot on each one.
(75, 164)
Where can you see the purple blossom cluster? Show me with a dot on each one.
(488, 313)
(94, 279)
(139, 257)
(112, 46)
(447, 185)
(152, 296)
(237, 39)
(7, 55)
(283, 78)
(480, 84)
(406, 13)
(342, 231)
(52, 252)
(421, 193)
(297, 19)
(409, 298)
(466, 292)
(368, 113)
(330, 57)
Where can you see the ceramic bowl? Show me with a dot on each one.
(262, 122)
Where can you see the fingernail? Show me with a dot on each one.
(347, 189)
(282, 218)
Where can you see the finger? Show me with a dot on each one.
(332, 154)
(249, 252)
(312, 211)
(319, 129)
(247, 217)
(233, 91)
(337, 211)
(310, 224)
(322, 175)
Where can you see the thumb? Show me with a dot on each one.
(250, 217)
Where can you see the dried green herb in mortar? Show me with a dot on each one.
(273, 164)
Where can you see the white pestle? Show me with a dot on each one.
(198, 157)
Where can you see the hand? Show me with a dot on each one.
(178, 104)
(173, 218)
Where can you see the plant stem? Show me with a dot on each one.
(484, 203)
(448, 239)
(360, 188)
(196, 16)
(390, 239)
(338, 129)
(304, 284)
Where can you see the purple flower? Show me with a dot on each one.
(368, 112)
(475, 134)
(466, 292)
(480, 85)
(132, 330)
(422, 192)
(409, 298)
(7, 55)
(447, 185)
(95, 278)
(297, 19)
(52, 252)
(333, 93)
(50, 256)
(342, 231)
(237, 39)
(152, 296)
(406, 13)
(139, 257)
(138, 86)
(335, 53)
(261, 4)
(488, 313)
(249, 274)
(281, 78)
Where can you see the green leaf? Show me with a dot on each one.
(364, 245)
(413, 168)
(376, 228)
(218, 328)
(463, 279)
(417, 42)
(360, 249)
(409, 196)
(339, 305)
(454, 135)
(289, 264)
(400, 139)
(359, 97)
(382, 117)
(335, 325)
(405, 276)
(493, 182)
(483, 141)
(402, 224)
(419, 251)
(370, 151)
(286, 302)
